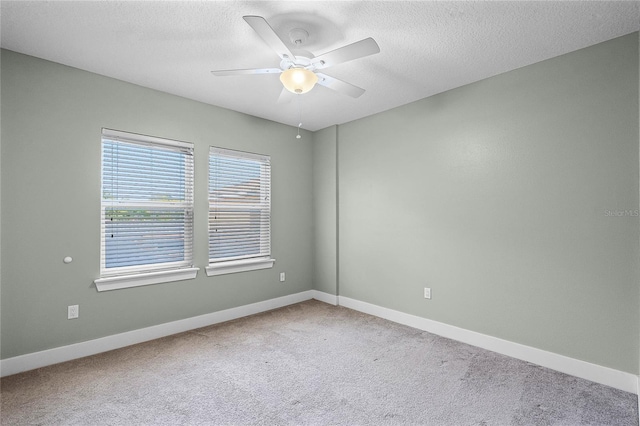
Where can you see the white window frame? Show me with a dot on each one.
(241, 263)
(139, 275)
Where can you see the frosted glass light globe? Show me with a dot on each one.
(298, 80)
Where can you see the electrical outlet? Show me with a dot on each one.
(73, 312)
(281, 276)
(427, 293)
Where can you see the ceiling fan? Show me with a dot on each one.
(299, 74)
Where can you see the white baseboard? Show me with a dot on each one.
(596, 373)
(331, 299)
(35, 360)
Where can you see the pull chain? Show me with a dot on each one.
(298, 136)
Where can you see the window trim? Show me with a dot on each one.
(141, 275)
(234, 266)
(145, 278)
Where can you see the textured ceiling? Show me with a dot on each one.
(427, 47)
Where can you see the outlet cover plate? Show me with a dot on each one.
(427, 293)
(73, 312)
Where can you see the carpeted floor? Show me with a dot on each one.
(307, 364)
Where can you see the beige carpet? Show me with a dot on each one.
(309, 363)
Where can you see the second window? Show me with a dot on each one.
(239, 210)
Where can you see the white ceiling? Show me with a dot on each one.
(427, 47)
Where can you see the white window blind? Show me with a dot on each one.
(147, 204)
(239, 206)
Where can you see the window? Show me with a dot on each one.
(147, 211)
(239, 211)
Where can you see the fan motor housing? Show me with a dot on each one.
(297, 62)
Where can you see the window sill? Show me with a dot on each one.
(234, 266)
(148, 278)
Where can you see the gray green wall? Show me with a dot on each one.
(496, 195)
(493, 194)
(52, 117)
(325, 210)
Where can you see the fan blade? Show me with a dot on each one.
(352, 51)
(285, 97)
(221, 73)
(339, 85)
(264, 30)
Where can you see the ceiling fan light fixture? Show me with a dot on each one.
(298, 80)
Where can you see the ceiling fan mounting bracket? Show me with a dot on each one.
(298, 36)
